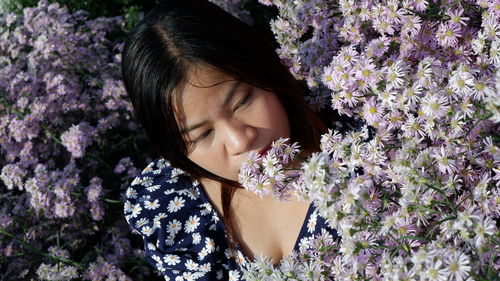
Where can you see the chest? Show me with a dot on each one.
(269, 227)
(264, 225)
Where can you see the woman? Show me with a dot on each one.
(208, 89)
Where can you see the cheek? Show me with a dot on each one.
(276, 114)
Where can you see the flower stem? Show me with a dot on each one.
(41, 253)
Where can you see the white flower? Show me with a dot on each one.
(206, 209)
(175, 175)
(418, 258)
(311, 224)
(395, 74)
(170, 240)
(174, 226)
(127, 207)
(202, 254)
(436, 272)
(258, 185)
(136, 210)
(434, 106)
(271, 165)
(176, 204)
(131, 193)
(191, 265)
(458, 266)
(206, 267)
(445, 163)
(412, 94)
(152, 247)
(209, 244)
(146, 230)
(153, 188)
(464, 220)
(481, 192)
(146, 181)
(160, 216)
(387, 224)
(245, 177)
(139, 223)
(462, 82)
(387, 97)
(485, 226)
(349, 196)
(234, 275)
(188, 276)
(171, 259)
(305, 243)
(478, 43)
(191, 224)
(196, 238)
(314, 171)
(151, 205)
(157, 259)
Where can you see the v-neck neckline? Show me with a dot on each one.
(220, 221)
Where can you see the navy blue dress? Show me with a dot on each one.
(184, 237)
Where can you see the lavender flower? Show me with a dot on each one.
(426, 89)
(57, 272)
(268, 174)
(77, 138)
(61, 92)
(12, 175)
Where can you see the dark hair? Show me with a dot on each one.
(179, 34)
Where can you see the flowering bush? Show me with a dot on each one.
(64, 128)
(419, 198)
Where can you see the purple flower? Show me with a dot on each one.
(77, 138)
(126, 164)
(94, 190)
(12, 175)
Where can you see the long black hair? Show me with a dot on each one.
(180, 34)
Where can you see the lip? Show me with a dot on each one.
(263, 151)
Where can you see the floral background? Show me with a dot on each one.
(414, 192)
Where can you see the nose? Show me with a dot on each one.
(239, 136)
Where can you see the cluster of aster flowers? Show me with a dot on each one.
(64, 126)
(313, 260)
(259, 172)
(418, 199)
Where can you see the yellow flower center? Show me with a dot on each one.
(480, 86)
(461, 83)
(454, 266)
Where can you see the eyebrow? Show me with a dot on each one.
(227, 100)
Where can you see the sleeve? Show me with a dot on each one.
(181, 235)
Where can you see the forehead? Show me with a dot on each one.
(203, 88)
(202, 76)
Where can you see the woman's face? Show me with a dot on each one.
(224, 119)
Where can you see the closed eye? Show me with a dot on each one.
(202, 136)
(243, 101)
